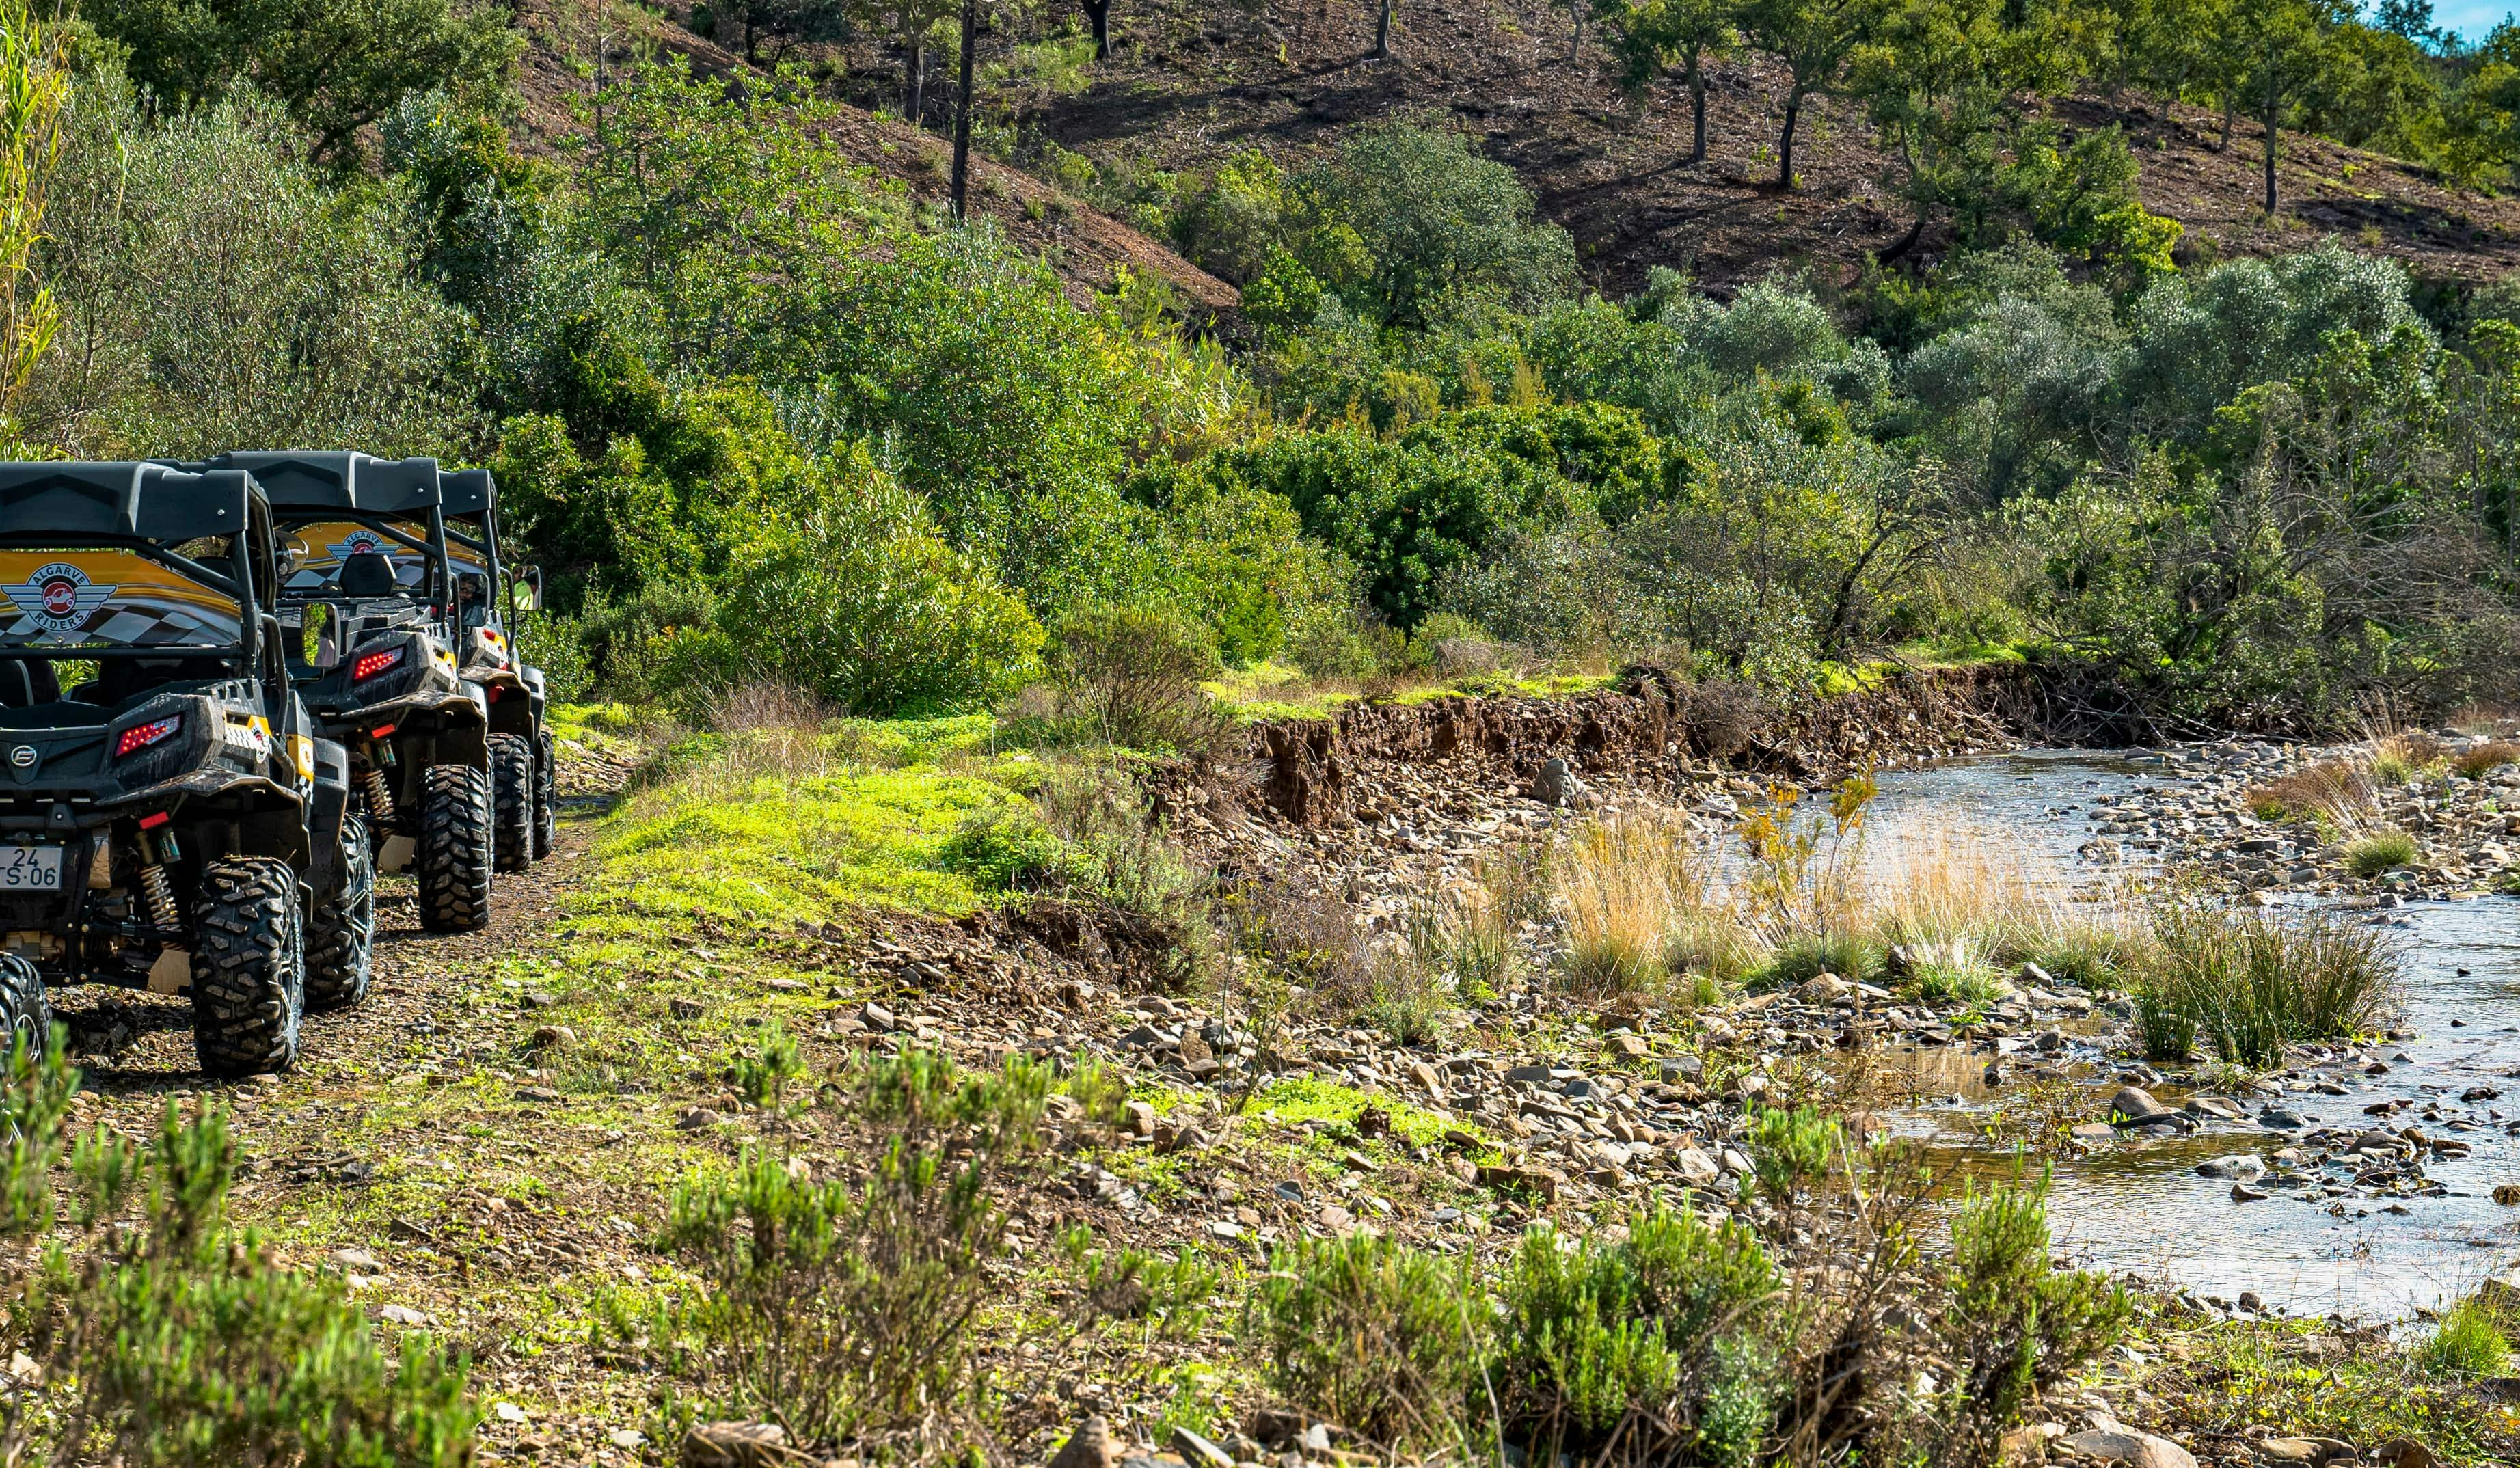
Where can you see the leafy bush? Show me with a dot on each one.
(1655, 1336)
(1372, 1335)
(859, 601)
(2015, 1323)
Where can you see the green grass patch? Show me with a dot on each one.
(1304, 1098)
(2382, 851)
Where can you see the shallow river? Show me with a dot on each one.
(2141, 1206)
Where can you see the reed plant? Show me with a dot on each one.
(2253, 982)
(2379, 852)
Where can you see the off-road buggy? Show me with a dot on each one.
(489, 595)
(367, 604)
(168, 819)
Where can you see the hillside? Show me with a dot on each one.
(1189, 85)
(568, 43)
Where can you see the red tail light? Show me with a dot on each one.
(374, 663)
(140, 737)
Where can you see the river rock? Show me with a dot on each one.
(2239, 1167)
(2134, 1105)
(1555, 784)
(2306, 1452)
(1088, 1446)
(1696, 1167)
(2404, 1452)
(1823, 988)
(2213, 1106)
(2124, 1445)
(2278, 1119)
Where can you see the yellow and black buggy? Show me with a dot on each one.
(369, 606)
(169, 818)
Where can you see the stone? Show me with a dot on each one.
(1555, 784)
(698, 1119)
(2095, 1132)
(1428, 1079)
(402, 1314)
(1198, 1452)
(1696, 1167)
(1088, 1446)
(2404, 1452)
(2213, 1106)
(1629, 1047)
(877, 1018)
(2134, 1104)
(2241, 1192)
(738, 1445)
(554, 1037)
(1677, 1068)
(2276, 1119)
(2124, 1445)
(357, 1260)
(2307, 1453)
(508, 1411)
(1823, 988)
(1139, 1120)
(2243, 1167)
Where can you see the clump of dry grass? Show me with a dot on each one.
(2405, 756)
(2341, 791)
(1641, 900)
(2478, 760)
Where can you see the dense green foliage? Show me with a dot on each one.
(759, 417)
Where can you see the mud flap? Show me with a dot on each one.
(172, 973)
(395, 853)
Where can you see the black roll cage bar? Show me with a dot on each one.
(238, 582)
(441, 575)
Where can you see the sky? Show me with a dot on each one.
(2471, 18)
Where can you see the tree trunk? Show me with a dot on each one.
(1575, 46)
(1098, 14)
(1786, 141)
(2269, 157)
(1696, 110)
(1382, 30)
(962, 111)
(913, 82)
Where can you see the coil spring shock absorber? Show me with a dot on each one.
(154, 889)
(380, 803)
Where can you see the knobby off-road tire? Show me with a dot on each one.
(341, 932)
(452, 860)
(248, 966)
(26, 1011)
(512, 800)
(546, 796)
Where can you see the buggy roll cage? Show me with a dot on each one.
(144, 508)
(474, 494)
(380, 495)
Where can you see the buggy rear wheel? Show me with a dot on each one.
(512, 800)
(26, 1011)
(248, 966)
(341, 934)
(546, 795)
(454, 849)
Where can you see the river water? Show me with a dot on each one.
(2139, 1205)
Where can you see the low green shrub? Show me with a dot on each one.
(1375, 1336)
(840, 1306)
(2468, 1342)
(2382, 851)
(2015, 1323)
(2162, 1022)
(1650, 1341)
(172, 1338)
(1793, 1151)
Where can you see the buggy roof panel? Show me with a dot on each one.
(154, 501)
(469, 491)
(339, 480)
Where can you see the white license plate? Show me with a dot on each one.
(30, 868)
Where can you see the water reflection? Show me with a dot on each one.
(2139, 1205)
